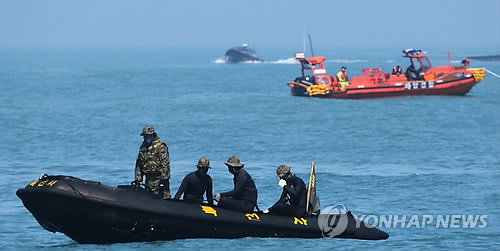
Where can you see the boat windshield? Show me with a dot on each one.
(426, 64)
(415, 65)
(421, 63)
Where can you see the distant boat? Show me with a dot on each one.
(421, 78)
(240, 54)
(486, 58)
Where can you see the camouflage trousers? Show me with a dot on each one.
(153, 185)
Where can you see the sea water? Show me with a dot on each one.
(81, 112)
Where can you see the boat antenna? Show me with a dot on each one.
(449, 57)
(304, 41)
(310, 42)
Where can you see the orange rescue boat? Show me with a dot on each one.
(421, 78)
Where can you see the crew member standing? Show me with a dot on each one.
(343, 78)
(153, 162)
(466, 62)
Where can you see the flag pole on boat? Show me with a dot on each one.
(311, 179)
(304, 41)
(311, 44)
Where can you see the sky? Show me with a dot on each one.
(263, 24)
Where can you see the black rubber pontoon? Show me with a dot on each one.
(89, 212)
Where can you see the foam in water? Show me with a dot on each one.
(252, 62)
(293, 61)
(284, 61)
(346, 61)
(220, 61)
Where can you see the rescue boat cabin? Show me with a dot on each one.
(420, 67)
(313, 66)
(314, 71)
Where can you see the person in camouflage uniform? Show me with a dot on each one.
(153, 162)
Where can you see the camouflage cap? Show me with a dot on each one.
(203, 162)
(233, 161)
(148, 130)
(282, 170)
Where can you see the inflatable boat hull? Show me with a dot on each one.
(89, 212)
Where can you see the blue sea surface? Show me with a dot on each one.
(81, 112)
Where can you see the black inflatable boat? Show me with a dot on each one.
(90, 212)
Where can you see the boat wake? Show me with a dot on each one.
(340, 61)
(294, 61)
(251, 62)
(284, 61)
(279, 61)
(219, 61)
(346, 61)
(222, 61)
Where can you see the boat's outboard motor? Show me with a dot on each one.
(307, 80)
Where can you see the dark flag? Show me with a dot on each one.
(312, 206)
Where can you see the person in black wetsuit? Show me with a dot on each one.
(244, 195)
(294, 197)
(195, 184)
